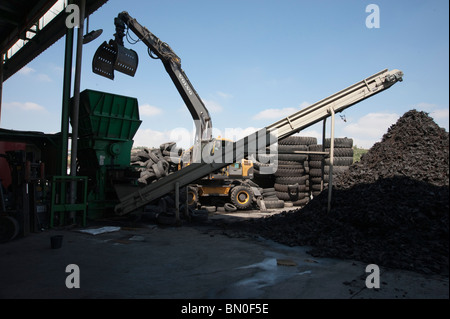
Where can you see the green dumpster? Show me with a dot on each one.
(106, 128)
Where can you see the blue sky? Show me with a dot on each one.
(253, 62)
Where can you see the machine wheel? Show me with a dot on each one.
(9, 228)
(242, 196)
(192, 196)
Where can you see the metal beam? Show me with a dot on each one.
(51, 33)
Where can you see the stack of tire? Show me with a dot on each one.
(342, 159)
(262, 170)
(270, 198)
(292, 174)
(155, 163)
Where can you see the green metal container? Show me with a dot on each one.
(108, 116)
(106, 128)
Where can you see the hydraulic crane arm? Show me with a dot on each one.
(172, 63)
(259, 140)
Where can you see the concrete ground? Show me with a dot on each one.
(193, 261)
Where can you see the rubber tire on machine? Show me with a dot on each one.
(9, 228)
(242, 196)
(192, 196)
(230, 207)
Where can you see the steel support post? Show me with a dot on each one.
(330, 174)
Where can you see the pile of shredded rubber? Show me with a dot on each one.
(389, 209)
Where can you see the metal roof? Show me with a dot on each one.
(19, 16)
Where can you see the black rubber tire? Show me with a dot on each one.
(339, 142)
(258, 165)
(287, 188)
(266, 158)
(292, 157)
(230, 207)
(274, 204)
(298, 140)
(291, 148)
(192, 196)
(289, 172)
(269, 194)
(301, 202)
(316, 157)
(340, 161)
(315, 172)
(242, 196)
(290, 196)
(292, 163)
(342, 152)
(316, 187)
(315, 180)
(291, 180)
(315, 164)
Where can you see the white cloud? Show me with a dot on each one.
(278, 114)
(149, 110)
(440, 114)
(304, 104)
(236, 134)
(271, 114)
(27, 106)
(424, 106)
(370, 128)
(213, 106)
(224, 95)
(26, 70)
(43, 78)
(152, 138)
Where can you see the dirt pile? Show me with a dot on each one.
(390, 209)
